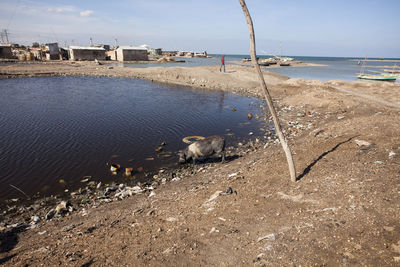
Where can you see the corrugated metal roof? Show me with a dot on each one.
(131, 48)
(86, 48)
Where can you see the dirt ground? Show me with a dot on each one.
(344, 210)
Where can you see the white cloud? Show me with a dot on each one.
(61, 9)
(86, 13)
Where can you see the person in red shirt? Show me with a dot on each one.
(222, 63)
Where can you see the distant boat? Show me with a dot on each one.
(376, 77)
(284, 63)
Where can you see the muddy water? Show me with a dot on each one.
(56, 130)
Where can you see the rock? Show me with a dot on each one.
(62, 207)
(362, 143)
(35, 219)
(392, 154)
(152, 194)
(234, 109)
(110, 189)
(214, 230)
(229, 191)
(98, 185)
(341, 117)
(84, 212)
(164, 143)
(259, 256)
(249, 116)
(172, 219)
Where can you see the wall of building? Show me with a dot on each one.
(86, 54)
(131, 55)
(112, 54)
(5, 52)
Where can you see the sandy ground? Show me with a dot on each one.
(343, 210)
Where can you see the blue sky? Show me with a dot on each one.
(303, 27)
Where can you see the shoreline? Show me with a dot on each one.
(346, 144)
(272, 66)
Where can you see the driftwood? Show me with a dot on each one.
(267, 95)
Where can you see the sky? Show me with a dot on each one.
(347, 28)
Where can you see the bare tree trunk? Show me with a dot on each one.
(267, 95)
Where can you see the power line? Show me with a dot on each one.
(4, 36)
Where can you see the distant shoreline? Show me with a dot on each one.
(377, 60)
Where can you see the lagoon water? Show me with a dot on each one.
(65, 128)
(336, 68)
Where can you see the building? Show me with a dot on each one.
(5, 51)
(52, 51)
(77, 53)
(111, 55)
(131, 53)
(156, 51)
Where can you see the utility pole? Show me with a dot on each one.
(6, 34)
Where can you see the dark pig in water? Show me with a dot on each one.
(209, 146)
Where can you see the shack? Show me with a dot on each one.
(156, 51)
(131, 53)
(52, 51)
(111, 55)
(5, 51)
(77, 53)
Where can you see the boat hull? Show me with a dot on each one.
(377, 77)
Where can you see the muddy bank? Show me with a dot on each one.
(343, 210)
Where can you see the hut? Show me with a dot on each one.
(5, 51)
(86, 53)
(111, 55)
(156, 51)
(131, 53)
